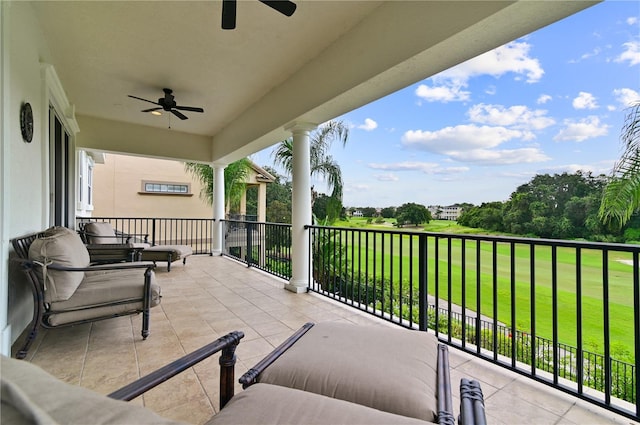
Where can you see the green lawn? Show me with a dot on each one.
(389, 255)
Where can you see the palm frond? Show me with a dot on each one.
(621, 196)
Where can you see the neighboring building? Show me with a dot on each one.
(85, 165)
(130, 186)
(450, 212)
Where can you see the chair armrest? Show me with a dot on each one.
(227, 344)
(113, 252)
(98, 267)
(445, 405)
(472, 410)
(250, 376)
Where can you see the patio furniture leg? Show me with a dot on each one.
(227, 376)
(146, 303)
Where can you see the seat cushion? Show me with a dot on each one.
(99, 233)
(99, 290)
(271, 404)
(161, 252)
(390, 369)
(30, 395)
(62, 246)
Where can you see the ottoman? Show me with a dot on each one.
(168, 253)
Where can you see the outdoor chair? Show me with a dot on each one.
(67, 290)
(395, 370)
(29, 394)
(99, 237)
(108, 245)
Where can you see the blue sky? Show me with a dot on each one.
(549, 102)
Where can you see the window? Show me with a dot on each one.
(89, 184)
(166, 188)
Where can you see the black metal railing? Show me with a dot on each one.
(266, 246)
(564, 313)
(195, 232)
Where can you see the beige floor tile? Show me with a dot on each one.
(212, 296)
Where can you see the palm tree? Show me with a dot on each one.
(621, 196)
(235, 176)
(322, 163)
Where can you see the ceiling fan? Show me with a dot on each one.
(229, 10)
(168, 103)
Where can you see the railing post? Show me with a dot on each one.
(422, 282)
(153, 232)
(249, 254)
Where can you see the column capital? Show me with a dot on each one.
(298, 126)
(219, 164)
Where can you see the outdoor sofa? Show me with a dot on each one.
(23, 397)
(68, 290)
(106, 244)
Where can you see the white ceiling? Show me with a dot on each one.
(328, 58)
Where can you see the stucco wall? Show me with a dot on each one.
(24, 165)
(118, 182)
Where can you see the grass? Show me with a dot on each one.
(389, 255)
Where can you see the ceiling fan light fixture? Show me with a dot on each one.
(156, 113)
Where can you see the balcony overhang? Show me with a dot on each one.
(330, 57)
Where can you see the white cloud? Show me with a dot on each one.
(631, 53)
(518, 116)
(586, 128)
(425, 167)
(356, 187)
(585, 101)
(450, 85)
(512, 57)
(584, 56)
(471, 143)
(368, 125)
(386, 177)
(461, 137)
(501, 156)
(601, 167)
(632, 20)
(442, 94)
(626, 97)
(544, 98)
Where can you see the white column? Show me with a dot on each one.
(301, 208)
(262, 202)
(218, 209)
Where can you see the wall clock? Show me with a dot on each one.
(26, 122)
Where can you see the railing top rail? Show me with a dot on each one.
(256, 222)
(496, 238)
(141, 218)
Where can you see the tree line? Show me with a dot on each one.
(559, 206)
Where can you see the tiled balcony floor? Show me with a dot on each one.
(211, 296)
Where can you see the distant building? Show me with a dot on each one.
(450, 212)
(112, 185)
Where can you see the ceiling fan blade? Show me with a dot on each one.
(285, 7)
(179, 114)
(228, 14)
(144, 100)
(151, 110)
(189, 108)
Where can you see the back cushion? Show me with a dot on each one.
(95, 230)
(62, 246)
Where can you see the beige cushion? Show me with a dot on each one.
(266, 404)
(104, 287)
(94, 230)
(62, 246)
(30, 395)
(161, 252)
(390, 369)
